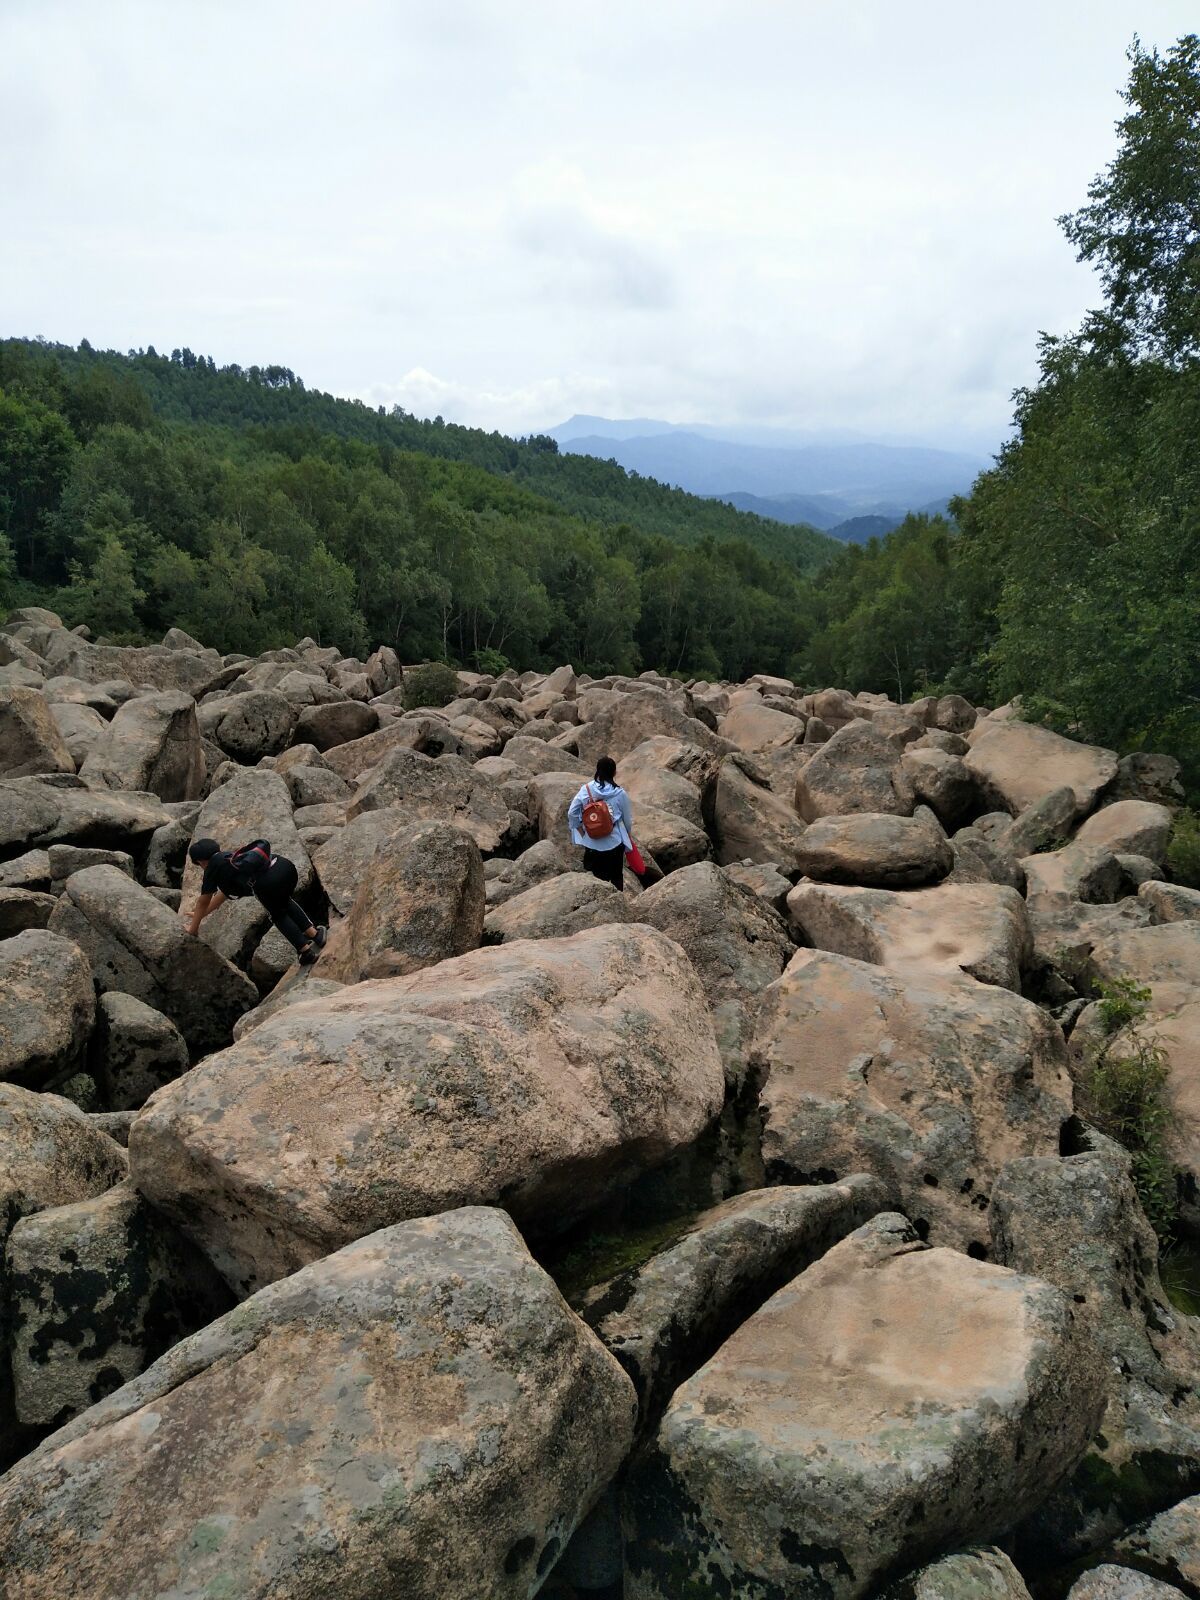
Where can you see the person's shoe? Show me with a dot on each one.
(307, 956)
(322, 935)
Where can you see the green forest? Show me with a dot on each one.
(144, 490)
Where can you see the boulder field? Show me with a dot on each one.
(751, 1231)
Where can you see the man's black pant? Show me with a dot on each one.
(274, 891)
(608, 865)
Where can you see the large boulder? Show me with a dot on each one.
(664, 1318)
(47, 1007)
(135, 1051)
(753, 726)
(421, 902)
(80, 727)
(1130, 827)
(1167, 1546)
(984, 1573)
(976, 928)
(876, 849)
(22, 909)
(335, 723)
(344, 862)
(29, 738)
(556, 907)
(752, 821)
(505, 879)
(1078, 871)
(619, 722)
(931, 1082)
(1077, 1223)
(152, 667)
(447, 789)
(139, 946)
(249, 726)
(151, 745)
(35, 811)
(867, 1417)
(859, 769)
(737, 944)
(544, 1073)
(253, 804)
(419, 1414)
(99, 1289)
(1016, 763)
(941, 781)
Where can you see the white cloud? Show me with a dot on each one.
(803, 215)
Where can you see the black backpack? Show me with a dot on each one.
(249, 861)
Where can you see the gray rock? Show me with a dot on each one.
(420, 1409)
(21, 909)
(135, 944)
(983, 1574)
(859, 769)
(1166, 1546)
(151, 745)
(867, 1416)
(37, 812)
(248, 726)
(30, 871)
(335, 723)
(876, 849)
(662, 1320)
(556, 907)
(1109, 1582)
(135, 1051)
(1170, 902)
(98, 1290)
(80, 727)
(29, 738)
(1047, 824)
(47, 1007)
(446, 790)
(67, 859)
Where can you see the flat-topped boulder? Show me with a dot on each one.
(1129, 827)
(977, 928)
(865, 1418)
(932, 1082)
(544, 1074)
(558, 906)
(876, 849)
(1016, 763)
(752, 820)
(37, 812)
(420, 1408)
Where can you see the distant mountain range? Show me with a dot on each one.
(840, 483)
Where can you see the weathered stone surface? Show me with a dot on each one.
(979, 929)
(335, 723)
(300, 984)
(868, 1415)
(21, 909)
(98, 1290)
(80, 727)
(1167, 1546)
(1078, 871)
(504, 879)
(446, 790)
(1109, 1582)
(670, 839)
(34, 811)
(763, 879)
(67, 859)
(535, 755)
(737, 945)
(47, 1007)
(663, 1319)
(859, 769)
(1077, 1224)
(152, 745)
(344, 862)
(545, 1073)
(941, 782)
(135, 944)
(153, 666)
(931, 1082)
(1016, 763)
(421, 902)
(1143, 775)
(980, 860)
(953, 714)
(876, 849)
(622, 721)
(983, 1574)
(254, 804)
(420, 1409)
(751, 821)
(1129, 827)
(556, 907)
(135, 1051)
(248, 726)
(753, 726)
(29, 738)
(1170, 902)
(30, 871)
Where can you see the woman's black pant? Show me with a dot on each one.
(608, 865)
(274, 891)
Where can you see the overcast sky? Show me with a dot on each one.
(803, 214)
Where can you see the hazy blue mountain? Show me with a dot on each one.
(846, 479)
(819, 511)
(582, 426)
(857, 530)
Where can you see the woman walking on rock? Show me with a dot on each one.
(601, 820)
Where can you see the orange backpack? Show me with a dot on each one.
(597, 818)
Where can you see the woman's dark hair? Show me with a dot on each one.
(606, 770)
(203, 850)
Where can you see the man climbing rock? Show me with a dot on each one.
(252, 869)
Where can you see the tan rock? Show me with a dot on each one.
(872, 1408)
(1129, 827)
(753, 822)
(151, 745)
(1015, 763)
(444, 790)
(621, 721)
(1088, 872)
(419, 1409)
(420, 903)
(932, 1083)
(47, 1007)
(1170, 902)
(545, 1073)
(557, 907)
(980, 929)
(859, 769)
(753, 726)
(30, 742)
(886, 852)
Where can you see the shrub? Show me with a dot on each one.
(1183, 852)
(490, 662)
(1124, 1091)
(433, 684)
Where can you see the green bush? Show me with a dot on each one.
(433, 684)
(490, 662)
(1124, 1093)
(1183, 852)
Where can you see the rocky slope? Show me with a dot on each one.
(742, 1234)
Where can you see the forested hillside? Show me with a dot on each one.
(142, 491)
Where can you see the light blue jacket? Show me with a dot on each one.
(617, 802)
